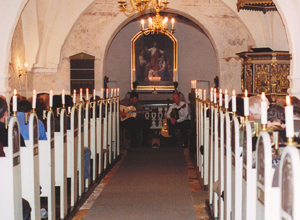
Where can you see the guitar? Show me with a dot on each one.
(130, 112)
(174, 114)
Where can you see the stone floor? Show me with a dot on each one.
(194, 185)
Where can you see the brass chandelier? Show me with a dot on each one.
(156, 24)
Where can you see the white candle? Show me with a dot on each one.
(111, 93)
(74, 96)
(80, 94)
(289, 120)
(172, 21)
(118, 91)
(115, 92)
(200, 94)
(63, 97)
(220, 98)
(226, 99)
(15, 100)
(204, 94)
(215, 95)
(264, 107)
(87, 94)
(94, 94)
(233, 101)
(143, 22)
(101, 94)
(246, 104)
(34, 99)
(51, 99)
(211, 95)
(107, 93)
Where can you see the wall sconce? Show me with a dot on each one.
(23, 71)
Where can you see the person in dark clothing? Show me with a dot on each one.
(132, 123)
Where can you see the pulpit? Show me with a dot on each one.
(265, 70)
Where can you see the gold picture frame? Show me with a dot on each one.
(153, 61)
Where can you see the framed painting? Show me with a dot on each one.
(153, 61)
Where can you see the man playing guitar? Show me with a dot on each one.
(178, 117)
(135, 122)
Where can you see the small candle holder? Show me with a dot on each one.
(234, 114)
(57, 112)
(256, 128)
(6, 122)
(50, 108)
(33, 110)
(226, 110)
(290, 142)
(14, 114)
(276, 142)
(63, 106)
(26, 118)
(264, 127)
(247, 118)
(44, 114)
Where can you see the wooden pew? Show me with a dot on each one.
(236, 170)
(206, 140)
(47, 166)
(227, 166)
(80, 162)
(10, 169)
(267, 200)
(100, 137)
(93, 140)
(215, 158)
(221, 169)
(30, 168)
(289, 182)
(87, 134)
(72, 158)
(249, 176)
(61, 162)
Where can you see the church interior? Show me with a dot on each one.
(62, 46)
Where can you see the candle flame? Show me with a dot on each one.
(233, 92)
(80, 89)
(142, 21)
(211, 89)
(26, 65)
(226, 91)
(220, 92)
(172, 20)
(288, 100)
(63, 91)
(74, 91)
(15, 92)
(87, 90)
(246, 93)
(215, 90)
(34, 92)
(51, 92)
(263, 96)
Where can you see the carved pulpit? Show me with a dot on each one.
(264, 70)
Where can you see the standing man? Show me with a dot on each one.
(135, 120)
(178, 117)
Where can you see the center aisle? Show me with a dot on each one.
(149, 184)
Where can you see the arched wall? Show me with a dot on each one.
(205, 13)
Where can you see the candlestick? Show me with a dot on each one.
(211, 95)
(80, 94)
(226, 99)
(215, 95)
(94, 94)
(233, 99)
(246, 104)
(51, 99)
(107, 93)
(63, 97)
(289, 120)
(264, 107)
(220, 98)
(87, 94)
(74, 96)
(34, 99)
(15, 100)
(172, 21)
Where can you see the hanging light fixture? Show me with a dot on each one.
(157, 24)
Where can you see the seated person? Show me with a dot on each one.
(3, 130)
(132, 123)
(179, 121)
(23, 107)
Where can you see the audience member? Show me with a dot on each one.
(24, 106)
(3, 130)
